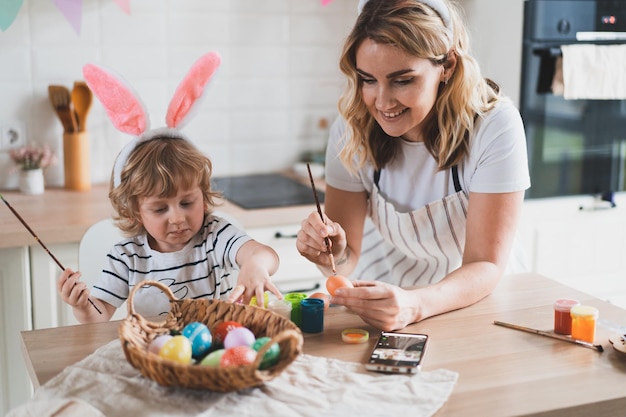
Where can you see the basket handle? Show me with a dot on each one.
(284, 335)
(159, 285)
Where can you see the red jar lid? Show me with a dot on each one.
(565, 304)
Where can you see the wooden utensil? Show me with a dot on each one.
(60, 98)
(81, 99)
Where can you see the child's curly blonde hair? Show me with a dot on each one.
(160, 166)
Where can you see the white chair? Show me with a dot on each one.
(96, 244)
(92, 251)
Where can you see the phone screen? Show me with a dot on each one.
(398, 352)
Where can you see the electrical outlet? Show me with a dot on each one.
(12, 135)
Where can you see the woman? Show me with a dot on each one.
(432, 154)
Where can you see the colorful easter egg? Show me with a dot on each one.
(337, 281)
(238, 356)
(213, 359)
(271, 354)
(200, 337)
(220, 331)
(158, 342)
(177, 349)
(323, 297)
(240, 336)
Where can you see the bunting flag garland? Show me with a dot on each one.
(72, 10)
(8, 12)
(124, 5)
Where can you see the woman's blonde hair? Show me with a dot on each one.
(419, 31)
(160, 166)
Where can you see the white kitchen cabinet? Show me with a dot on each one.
(584, 249)
(15, 386)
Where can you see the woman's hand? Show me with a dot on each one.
(311, 242)
(384, 306)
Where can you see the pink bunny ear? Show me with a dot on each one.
(191, 88)
(120, 102)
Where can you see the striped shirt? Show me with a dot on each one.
(204, 268)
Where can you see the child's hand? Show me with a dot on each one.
(253, 281)
(73, 291)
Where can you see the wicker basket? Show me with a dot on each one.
(136, 333)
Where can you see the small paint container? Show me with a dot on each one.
(312, 310)
(280, 307)
(353, 336)
(562, 317)
(294, 298)
(265, 300)
(584, 322)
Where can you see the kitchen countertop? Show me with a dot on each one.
(63, 216)
(502, 372)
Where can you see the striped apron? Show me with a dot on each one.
(415, 248)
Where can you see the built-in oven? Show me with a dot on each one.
(574, 146)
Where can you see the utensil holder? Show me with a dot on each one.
(76, 161)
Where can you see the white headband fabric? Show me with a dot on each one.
(437, 5)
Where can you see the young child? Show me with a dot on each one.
(161, 192)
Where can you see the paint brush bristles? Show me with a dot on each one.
(17, 215)
(319, 210)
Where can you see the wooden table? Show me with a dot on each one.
(502, 372)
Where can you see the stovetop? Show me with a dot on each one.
(265, 191)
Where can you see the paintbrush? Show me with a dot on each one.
(564, 338)
(319, 210)
(40, 242)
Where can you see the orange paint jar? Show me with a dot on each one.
(562, 317)
(584, 323)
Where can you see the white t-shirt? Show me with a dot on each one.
(497, 163)
(205, 268)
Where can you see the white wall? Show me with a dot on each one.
(496, 28)
(279, 73)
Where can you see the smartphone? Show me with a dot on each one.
(398, 353)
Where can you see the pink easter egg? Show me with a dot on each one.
(240, 336)
(158, 342)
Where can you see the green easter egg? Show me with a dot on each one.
(271, 355)
(213, 358)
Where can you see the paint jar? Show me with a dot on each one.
(266, 298)
(584, 323)
(312, 310)
(562, 317)
(294, 298)
(280, 307)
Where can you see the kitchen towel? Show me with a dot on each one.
(594, 72)
(104, 383)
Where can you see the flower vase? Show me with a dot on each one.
(31, 181)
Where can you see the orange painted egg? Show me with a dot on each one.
(222, 329)
(337, 281)
(323, 297)
(238, 356)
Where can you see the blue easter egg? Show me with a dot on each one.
(200, 337)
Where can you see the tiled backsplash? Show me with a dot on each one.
(279, 74)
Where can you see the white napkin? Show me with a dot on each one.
(104, 383)
(594, 72)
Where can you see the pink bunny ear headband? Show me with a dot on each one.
(437, 5)
(128, 114)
